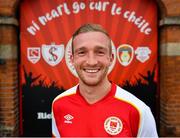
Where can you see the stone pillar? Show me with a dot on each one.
(169, 46)
(9, 97)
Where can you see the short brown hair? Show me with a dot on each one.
(91, 28)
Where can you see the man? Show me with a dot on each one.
(96, 107)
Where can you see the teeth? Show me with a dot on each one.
(91, 70)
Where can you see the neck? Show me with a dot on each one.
(92, 94)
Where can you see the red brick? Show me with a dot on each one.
(169, 95)
(170, 34)
(172, 7)
(8, 7)
(7, 35)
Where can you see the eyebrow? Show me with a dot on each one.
(96, 48)
(105, 49)
(100, 47)
(79, 49)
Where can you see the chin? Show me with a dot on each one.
(91, 83)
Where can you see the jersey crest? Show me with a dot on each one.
(113, 125)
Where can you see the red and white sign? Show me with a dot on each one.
(46, 28)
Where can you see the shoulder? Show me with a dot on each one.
(129, 98)
(147, 125)
(66, 93)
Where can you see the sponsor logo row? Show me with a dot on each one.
(53, 54)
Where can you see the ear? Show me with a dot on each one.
(72, 59)
(111, 59)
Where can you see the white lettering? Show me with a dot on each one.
(66, 10)
(35, 25)
(126, 14)
(63, 7)
(138, 21)
(144, 28)
(99, 6)
(59, 8)
(54, 13)
(147, 31)
(132, 17)
(43, 115)
(78, 6)
(115, 10)
(32, 29)
(42, 20)
(141, 23)
(49, 17)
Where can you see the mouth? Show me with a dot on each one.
(91, 70)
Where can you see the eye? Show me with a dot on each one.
(81, 53)
(100, 52)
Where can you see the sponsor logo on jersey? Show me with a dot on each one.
(33, 54)
(68, 119)
(53, 54)
(125, 54)
(142, 53)
(113, 125)
(68, 54)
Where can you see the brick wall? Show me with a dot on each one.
(9, 98)
(169, 46)
(170, 68)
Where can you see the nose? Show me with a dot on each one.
(91, 60)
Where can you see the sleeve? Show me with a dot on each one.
(55, 132)
(147, 127)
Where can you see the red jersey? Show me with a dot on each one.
(118, 114)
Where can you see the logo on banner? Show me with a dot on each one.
(33, 54)
(142, 53)
(113, 125)
(53, 54)
(68, 54)
(125, 54)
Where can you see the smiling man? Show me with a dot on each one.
(96, 107)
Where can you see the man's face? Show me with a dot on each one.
(91, 57)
